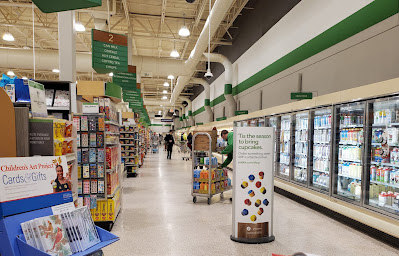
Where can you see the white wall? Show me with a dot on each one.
(160, 129)
(364, 58)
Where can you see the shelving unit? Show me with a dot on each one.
(129, 139)
(99, 165)
(285, 146)
(301, 147)
(350, 146)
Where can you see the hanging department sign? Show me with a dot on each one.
(253, 185)
(126, 80)
(133, 97)
(109, 52)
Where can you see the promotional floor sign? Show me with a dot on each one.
(29, 183)
(253, 185)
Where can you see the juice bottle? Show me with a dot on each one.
(205, 187)
(202, 186)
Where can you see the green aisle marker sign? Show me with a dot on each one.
(301, 95)
(199, 123)
(50, 6)
(241, 112)
(109, 52)
(221, 118)
(128, 80)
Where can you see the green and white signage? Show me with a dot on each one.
(301, 95)
(253, 184)
(109, 52)
(127, 81)
(37, 99)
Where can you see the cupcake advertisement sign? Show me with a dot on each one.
(253, 184)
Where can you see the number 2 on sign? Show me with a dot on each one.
(111, 38)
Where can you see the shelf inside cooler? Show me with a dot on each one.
(348, 194)
(315, 170)
(351, 126)
(385, 184)
(322, 128)
(349, 177)
(320, 185)
(385, 164)
(303, 167)
(347, 160)
(375, 202)
(321, 142)
(301, 141)
(350, 143)
(300, 154)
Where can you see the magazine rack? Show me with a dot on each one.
(12, 241)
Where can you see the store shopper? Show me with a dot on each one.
(190, 141)
(169, 142)
(227, 136)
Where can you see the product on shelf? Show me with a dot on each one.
(63, 234)
(350, 146)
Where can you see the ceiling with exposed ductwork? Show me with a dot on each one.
(153, 26)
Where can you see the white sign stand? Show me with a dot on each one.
(253, 187)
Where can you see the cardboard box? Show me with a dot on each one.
(111, 210)
(202, 141)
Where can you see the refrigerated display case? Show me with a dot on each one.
(253, 122)
(262, 122)
(274, 122)
(383, 186)
(349, 150)
(285, 147)
(320, 167)
(301, 147)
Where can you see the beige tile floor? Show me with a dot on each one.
(159, 218)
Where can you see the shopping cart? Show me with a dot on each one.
(154, 147)
(185, 150)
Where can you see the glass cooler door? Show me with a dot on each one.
(301, 147)
(383, 188)
(285, 147)
(320, 171)
(274, 122)
(349, 150)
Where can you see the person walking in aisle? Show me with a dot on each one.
(190, 141)
(169, 142)
(229, 137)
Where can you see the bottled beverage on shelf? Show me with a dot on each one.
(347, 119)
(350, 170)
(300, 174)
(323, 121)
(350, 153)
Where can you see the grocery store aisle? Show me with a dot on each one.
(159, 218)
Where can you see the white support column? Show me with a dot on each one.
(67, 52)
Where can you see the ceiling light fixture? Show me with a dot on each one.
(171, 77)
(8, 37)
(174, 53)
(164, 98)
(184, 31)
(56, 70)
(24, 78)
(79, 27)
(165, 91)
(166, 84)
(111, 74)
(10, 73)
